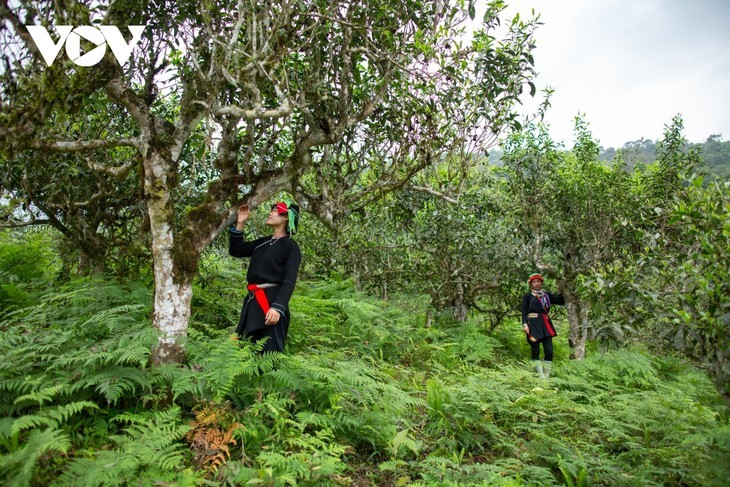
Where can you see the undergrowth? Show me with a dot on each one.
(365, 395)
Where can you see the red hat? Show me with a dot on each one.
(533, 277)
(284, 208)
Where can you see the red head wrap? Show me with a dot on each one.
(533, 277)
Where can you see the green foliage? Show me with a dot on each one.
(702, 312)
(18, 465)
(716, 158)
(25, 261)
(671, 292)
(690, 264)
(147, 449)
(366, 392)
(714, 152)
(570, 212)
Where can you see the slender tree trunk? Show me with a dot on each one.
(720, 376)
(579, 326)
(461, 310)
(84, 266)
(171, 316)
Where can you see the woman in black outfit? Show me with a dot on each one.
(537, 325)
(272, 274)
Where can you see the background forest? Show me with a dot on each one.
(406, 363)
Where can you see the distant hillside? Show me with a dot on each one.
(714, 151)
(715, 154)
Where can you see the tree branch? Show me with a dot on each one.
(20, 29)
(433, 192)
(125, 97)
(34, 221)
(81, 145)
(117, 172)
(257, 113)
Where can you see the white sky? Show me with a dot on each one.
(631, 65)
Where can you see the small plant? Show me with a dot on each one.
(211, 435)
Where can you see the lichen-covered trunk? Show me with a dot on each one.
(461, 309)
(172, 292)
(578, 323)
(171, 303)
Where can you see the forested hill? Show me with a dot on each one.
(715, 154)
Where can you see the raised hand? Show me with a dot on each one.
(244, 213)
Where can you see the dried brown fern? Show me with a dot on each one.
(212, 436)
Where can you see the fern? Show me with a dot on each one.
(150, 449)
(212, 435)
(305, 459)
(181, 380)
(17, 467)
(46, 394)
(115, 382)
(366, 392)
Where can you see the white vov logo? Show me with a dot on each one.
(101, 36)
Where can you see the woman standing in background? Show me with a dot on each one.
(537, 325)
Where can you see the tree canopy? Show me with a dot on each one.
(335, 103)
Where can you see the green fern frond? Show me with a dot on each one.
(54, 416)
(150, 448)
(63, 412)
(226, 363)
(181, 379)
(44, 395)
(30, 421)
(112, 316)
(115, 382)
(17, 468)
(15, 385)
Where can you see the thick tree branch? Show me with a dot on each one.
(20, 29)
(285, 109)
(82, 145)
(124, 96)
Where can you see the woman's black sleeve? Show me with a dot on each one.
(525, 307)
(556, 298)
(237, 247)
(289, 279)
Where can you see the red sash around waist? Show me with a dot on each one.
(260, 295)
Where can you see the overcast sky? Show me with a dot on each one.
(631, 65)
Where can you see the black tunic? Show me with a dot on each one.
(541, 326)
(274, 261)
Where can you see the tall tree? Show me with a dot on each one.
(676, 288)
(94, 207)
(570, 211)
(301, 96)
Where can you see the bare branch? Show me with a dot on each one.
(117, 172)
(32, 222)
(432, 192)
(82, 145)
(255, 113)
